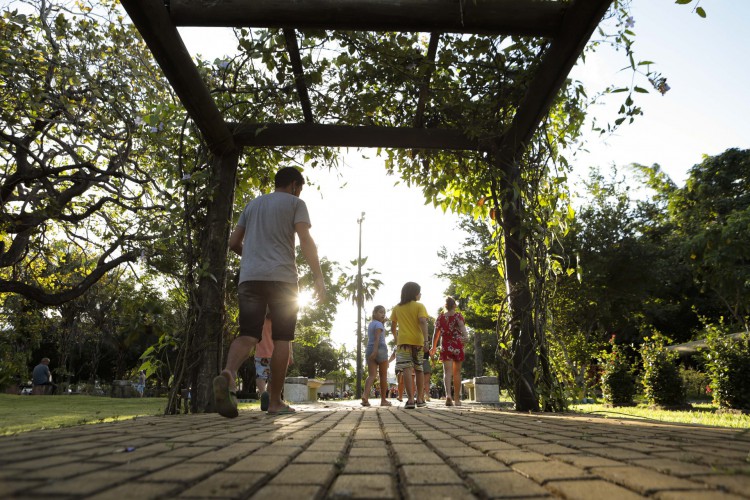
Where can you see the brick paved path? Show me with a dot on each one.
(339, 451)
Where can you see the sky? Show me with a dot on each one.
(706, 111)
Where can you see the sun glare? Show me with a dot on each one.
(305, 299)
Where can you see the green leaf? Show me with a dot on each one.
(700, 12)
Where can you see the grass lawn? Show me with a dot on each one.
(701, 414)
(26, 413)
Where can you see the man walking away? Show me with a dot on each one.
(264, 238)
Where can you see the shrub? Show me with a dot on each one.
(728, 363)
(661, 378)
(618, 381)
(696, 383)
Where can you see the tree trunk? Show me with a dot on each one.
(478, 357)
(208, 338)
(517, 284)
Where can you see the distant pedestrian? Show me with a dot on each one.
(409, 327)
(451, 328)
(263, 355)
(376, 354)
(41, 376)
(141, 385)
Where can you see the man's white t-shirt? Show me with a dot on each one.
(268, 250)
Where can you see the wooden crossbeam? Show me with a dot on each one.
(158, 31)
(304, 134)
(292, 49)
(509, 17)
(579, 23)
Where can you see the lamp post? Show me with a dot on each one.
(359, 310)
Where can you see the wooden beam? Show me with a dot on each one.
(510, 17)
(299, 74)
(304, 134)
(424, 89)
(579, 23)
(161, 36)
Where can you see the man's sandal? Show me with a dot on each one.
(225, 400)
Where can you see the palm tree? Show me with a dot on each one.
(360, 286)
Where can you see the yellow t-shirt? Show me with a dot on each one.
(407, 319)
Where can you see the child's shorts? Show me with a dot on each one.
(263, 368)
(410, 356)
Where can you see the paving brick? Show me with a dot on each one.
(63, 471)
(276, 492)
(644, 481)
(188, 451)
(591, 489)
(9, 487)
(85, 484)
(417, 456)
(506, 484)
(696, 495)
(549, 449)
(363, 486)
(225, 455)
(319, 474)
(490, 446)
(442, 492)
(477, 464)
(224, 485)
(369, 452)
(367, 465)
(673, 467)
(516, 455)
(736, 483)
(183, 472)
(587, 461)
(149, 464)
(550, 470)
(319, 457)
(270, 464)
(139, 490)
(617, 453)
(429, 474)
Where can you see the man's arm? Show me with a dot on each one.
(310, 251)
(235, 240)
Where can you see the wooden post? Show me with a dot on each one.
(207, 348)
(517, 285)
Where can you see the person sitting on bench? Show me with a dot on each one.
(41, 376)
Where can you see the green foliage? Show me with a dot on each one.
(712, 215)
(696, 383)
(728, 365)
(661, 378)
(618, 380)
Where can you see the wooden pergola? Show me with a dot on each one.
(567, 25)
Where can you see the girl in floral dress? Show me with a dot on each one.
(451, 328)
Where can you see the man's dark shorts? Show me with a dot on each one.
(281, 300)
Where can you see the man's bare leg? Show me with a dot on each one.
(239, 351)
(279, 364)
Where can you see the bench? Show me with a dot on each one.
(301, 389)
(122, 389)
(41, 390)
(482, 389)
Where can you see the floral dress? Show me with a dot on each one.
(452, 345)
